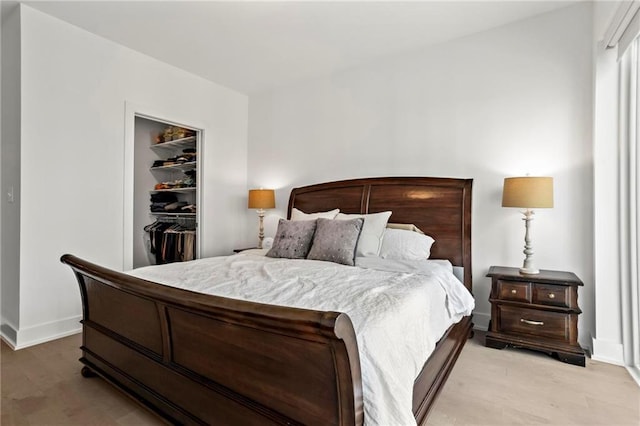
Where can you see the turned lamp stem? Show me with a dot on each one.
(261, 231)
(527, 266)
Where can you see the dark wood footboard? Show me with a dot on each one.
(435, 372)
(195, 358)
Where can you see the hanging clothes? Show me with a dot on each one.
(170, 241)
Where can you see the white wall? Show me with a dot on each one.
(74, 89)
(10, 170)
(505, 102)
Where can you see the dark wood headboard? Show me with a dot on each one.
(441, 207)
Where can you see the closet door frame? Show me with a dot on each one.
(132, 111)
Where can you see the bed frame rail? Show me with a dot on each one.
(202, 359)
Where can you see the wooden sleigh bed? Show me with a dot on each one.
(200, 359)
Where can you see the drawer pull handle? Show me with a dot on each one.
(552, 296)
(526, 321)
(514, 291)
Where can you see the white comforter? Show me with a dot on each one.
(399, 310)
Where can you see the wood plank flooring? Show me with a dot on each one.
(522, 387)
(42, 385)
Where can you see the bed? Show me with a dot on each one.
(202, 359)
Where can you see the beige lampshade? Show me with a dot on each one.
(528, 192)
(262, 199)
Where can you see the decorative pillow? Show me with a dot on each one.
(405, 245)
(336, 240)
(293, 239)
(372, 231)
(405, 226)
(267, 243)
(300, 215)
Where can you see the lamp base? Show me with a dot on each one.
(527, 265)
(261, 231)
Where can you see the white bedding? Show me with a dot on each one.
(395, 307)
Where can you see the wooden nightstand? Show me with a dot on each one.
(535, 311)
(240, 250)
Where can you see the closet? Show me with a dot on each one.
(166, 193)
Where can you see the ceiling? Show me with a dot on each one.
(256, 46)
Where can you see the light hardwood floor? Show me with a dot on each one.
(42, 385)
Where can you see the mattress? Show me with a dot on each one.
(399, 310)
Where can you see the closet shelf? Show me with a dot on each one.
(189, 142)
(173, 214)
(182, 190)
(181, 166)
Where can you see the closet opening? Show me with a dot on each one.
(166, 191)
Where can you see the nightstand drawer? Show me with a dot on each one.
(544, 294)
(516, 291)
(551, 325)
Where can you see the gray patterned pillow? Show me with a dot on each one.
(293, 239)
(336, 240)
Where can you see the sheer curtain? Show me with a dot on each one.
(629, 166)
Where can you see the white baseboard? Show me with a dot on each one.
(635, 373)
(608, 351)
(34, 335)
(481, 321)
(8, 334)
(585, 340)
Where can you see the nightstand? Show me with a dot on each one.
(243, 249)
(535, 311)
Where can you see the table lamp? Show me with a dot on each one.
(528, 192)
(261, 199)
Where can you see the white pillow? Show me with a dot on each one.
(271, 221)
(300, 215)
(267, 243)
(372, 231)
(405, 245)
